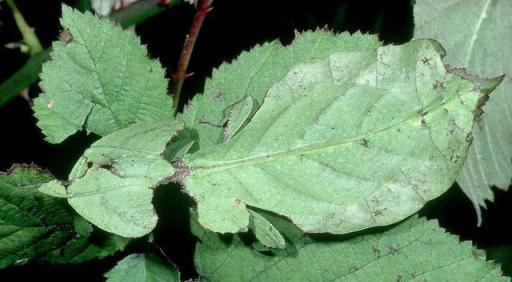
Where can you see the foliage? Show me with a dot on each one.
(390, 255)
(111, 184)
(306, 152)
(99, 79)
(142, 268)
(288, 152)
(484, 38)
(34, 226)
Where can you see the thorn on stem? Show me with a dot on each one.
(25, 95)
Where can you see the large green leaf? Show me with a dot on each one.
(415, 250)
(34, 226)
(142, 268)
(356, 140)
(111, 185)
(100, 79)
(478, 36)
(254, 72)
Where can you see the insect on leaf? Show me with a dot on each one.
(478, 36)
(352, 141)
(111, 185)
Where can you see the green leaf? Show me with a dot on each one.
(265, 232)
(254, 72)
(111, 185)
(36, 227)
(82, 248)
(356, 140)
(478, 36)
(142, 268)
(101, 81)
(238, 116)
(415, 250)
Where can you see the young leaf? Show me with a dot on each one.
(415, 250)
(254, 72)
(111, 185)
(36, 227)
(337, 156)
(478, 35)
(100, 79)
(142, 268)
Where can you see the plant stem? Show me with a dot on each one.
(29, 36)
(188, 47)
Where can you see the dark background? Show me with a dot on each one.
(231, 27)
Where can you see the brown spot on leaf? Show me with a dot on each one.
(378, 212)
(182, 171)
(353, 268)
(455, 158)
(425, 61)
(376, 251)
(393, 250)
(65, 36)
(364, 142)
(469, 137)
(219, 95)
(439, 85)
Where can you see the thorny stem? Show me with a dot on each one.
(29, 36)
(188, 47)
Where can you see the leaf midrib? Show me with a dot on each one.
(224, 165)
(481, 18)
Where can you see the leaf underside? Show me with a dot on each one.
(478, 36)
(349, 141)
(415, 250)
(100, 79)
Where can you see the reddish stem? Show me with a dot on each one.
(188, 47)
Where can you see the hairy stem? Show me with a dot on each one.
(188, 47)
(29, 36)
